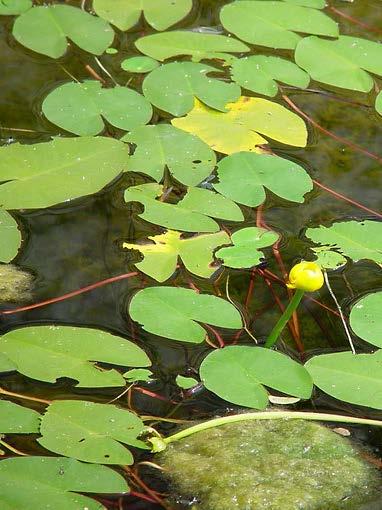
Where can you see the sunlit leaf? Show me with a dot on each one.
(244, 175)
(260, 73)
(239, 373)
(247, 243)
(52, 482)
(357, 240)
(10, 237)
(342, 63)
(329, 259)
(45, 29)
(175, 313)
(354, 378)
(6, 365)
(139, 64)
(81, 107)
(365, 318)
(47, 353)
(239, 129)
(378, 103)
(274, 24)
(44, 174)
(315, 4)
(138, 374)
(188, 158)
(11, 7)
(197, 45)
(90, 432)
(173, 88)
(191, 214)
(186, 382)
(15, 419)
(160, 14)
(161, 255)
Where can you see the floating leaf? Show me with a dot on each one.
(243, 176)
(186, 382)
(195, 44)
(259, 73)
(239, 373)
(274, 24)
(81, 107)
(46, 29)
(49, 482)
(365, 318)
(160, 14)
(239, 128)
(190, 214)
(45, 174)
(173, 88)
(15, 419)
(47, 353)
(6, 365)
(378, 103)
(342, 63)
(247, 243)
(355, 239)
(354, 378)
(188, 158)
(161, 256)
(315, 4)
(138, 374)
(139, 64)
(329, 259)
(12, 7)
(10, 237)
(174, 312)
(90, 432)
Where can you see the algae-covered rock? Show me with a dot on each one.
(15, 284)
(273, 465)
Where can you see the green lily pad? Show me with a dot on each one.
(365, 318)
(6, 365)
(139, 64)
(378, 103)
(10, 237)
(186, 382)
(315, 4)
(12, 7)
(15, 419)
(138, 375)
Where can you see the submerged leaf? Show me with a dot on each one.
(15, 419)
(10, 237)
(173, 88)
(139, 64)
(239, 128)
(12, 7)
(45, 30)
(81, 107)
(188, 158)
(365, 318)
(175, 312)
(161, 256)
(47, 353)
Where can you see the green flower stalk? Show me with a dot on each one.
(304, 277)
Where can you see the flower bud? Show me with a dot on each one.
(306, 276)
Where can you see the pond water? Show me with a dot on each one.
(75, 244)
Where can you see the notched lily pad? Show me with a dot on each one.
(365, 318)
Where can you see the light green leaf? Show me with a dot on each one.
(138, 374)
(161, 255)
(244, 175)
(47, 353)
(160, 14)
(15, 419)
(45, 174)
(197, 45)
(357, 240)
(111, 51)
(173, 88)
(12, 7)
(90, 432)
(6, 365)
(259, 73)
(329, 259)
(10, 237)
(49, 482)
(186, 382)
(175, 313)
(274, 24)
(354, 378)
(315, 4)
(190, 214)
(139, 64)
(365, 318)
(239, 128)
(45, 30)
(188, 158)
(342, 63)
(378, 103)
(246, 250)
(81, 107)
(239, 373)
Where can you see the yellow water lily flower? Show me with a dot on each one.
(306, 276)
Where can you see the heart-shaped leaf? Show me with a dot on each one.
(47, 353)
(10, 237)
(244, 175)
(12, 7)
(46, 29)
(365, 318)
(186, 382)
(138, 375)
(90, 432)
(161, 255)
(81, 107)
(15, 419)
(173, 88)
(239, 373)
(188, 158)
(239, 129)
(174, 312)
